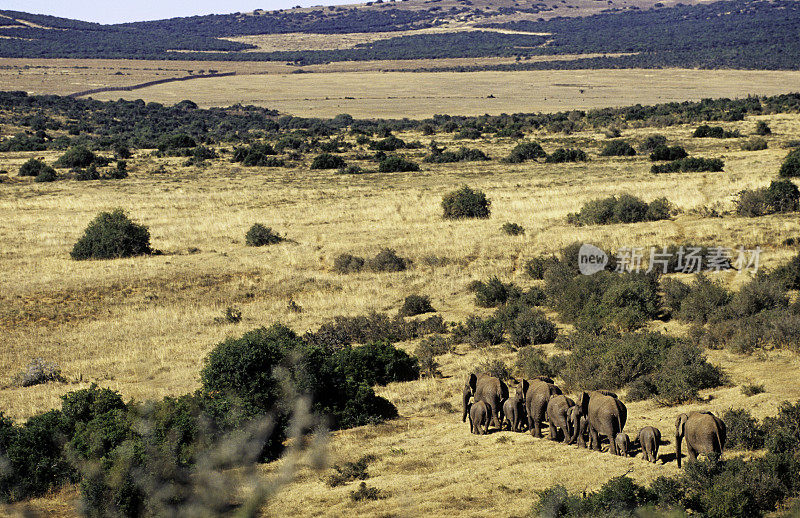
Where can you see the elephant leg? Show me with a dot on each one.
(692, 453)
(612, 444)
(594, 439)
(552, 430)
(486, 427)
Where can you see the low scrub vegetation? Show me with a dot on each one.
(617, 148)
(781, 196)
(416, 305)
(562, 155)
(754, 144)
(624, 208)
(790, 168)
(463, 154)
(689, 164)
(665, 152)
(327, 161)
(466, 203)
(706, 131)
(259, 235)
(512, 229)
(112, 235)
(397, 164)
(525, 151)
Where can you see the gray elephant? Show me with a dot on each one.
(557, 420)
(577, 423)
(479, 416)
(486, 388)
(704, 433)
(605, 415)
(623, 444)
(514, 414)
(649, 439)
(535, 394)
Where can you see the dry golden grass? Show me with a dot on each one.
(143, 325)
(418, 95)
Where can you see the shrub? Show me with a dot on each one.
(465, 203)
(479, 332)
(257, 155)
(532, 327)
(668, 153)
(372, 328)
(468, 133)
(652, 142)
(536, 267)
(496, 368)
(416, 305)
(743, 431)
(463, 154)
(788, 273)
(390, 143)
(512, 229)
(351, 169)
(176, 141)
(112, 235)
(754, 144)
(376, 363)
(566, 155)
(525, 151)
(493, 292)
(346, 263)
(780, 196)
(683, 371)
(790, 168)
(532, 362)
(46, 175)
(259, 235)
(118, 173)
(365, 492)
(387, 260)
(762, 128)
(77, 156)
(706, 131)
(427, 360)
(703, 299)
(327, 161)
(39, 371)
(624, 208)
(35, 167)
(396, 164)
(617, 148)
(752, 389)
(689, 164)
(350, 471)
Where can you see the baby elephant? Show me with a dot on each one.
(623, 444)
(513, 413)
(649, 439)
(479, 415)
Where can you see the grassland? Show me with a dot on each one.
(419, 95)
(143, 325)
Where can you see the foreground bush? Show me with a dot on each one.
(531, 327)
(463, 154)
(754, 144)
(347, 263)
(561, 155)
(416, 305)
(617, 148)
(706, 131)
(387, 260)
(111, 235)
(327, 161)
(397, 164)
(624, 208)
(259, 235)
(77, 156)
(525, 151)
(790, 168)
(465, 203)
(668, 153)
(35, 167)
(780, 196)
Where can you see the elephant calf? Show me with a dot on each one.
(623, 444)
(514, 413)
(649, 440)
(557, 419)
(480, 414)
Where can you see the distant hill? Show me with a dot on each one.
(750, 34)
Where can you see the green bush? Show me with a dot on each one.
(466, 203)
(525, 151)
(624, 208)
(536, 267)
(780, 196)
(416, 305)
(390, 143)
(790, 168)
(479, 332)
(111, 235)
(668, 153)
(743, 431)
(257, 155)
(396, 164)
(689, 164)
(377, 363)
(561, 155)
(496, 368)
(77, 156)
(652, 142)
(350, 471)
(387, 260)
(176, 141)
(704, 298)
(512, 229)
(617, 148)
(532, 362)
(752, 389)
(463, 154)
(46, 175)
(35, 167)
(531, 327)
(706, 131)
(259, 235)
(683, 371)
(347, 263)
(754, 144)
(365, 492)
(373, 328)
(327, 161)
(493, 292)
(762, 128)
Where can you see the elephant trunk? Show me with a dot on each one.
(678, 439)
(574, 425)
(466, 396)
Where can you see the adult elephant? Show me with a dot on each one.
(535, 394)
(605, 415)
(557, 420)
(486, 388)
(704, 433)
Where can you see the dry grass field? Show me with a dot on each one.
(143, 325)
(419, 95)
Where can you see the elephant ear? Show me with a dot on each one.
(503, 390)
(584, 403)
(472, 382)
(525, 385)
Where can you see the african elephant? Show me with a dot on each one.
(483, 387)
(479, 415)
(623, 444)
(577, 423)
(605, 415)
(535, 394)
(557, 409)
(704, 432)
(513, 412)
(649, 439)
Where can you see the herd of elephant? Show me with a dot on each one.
(597, 414)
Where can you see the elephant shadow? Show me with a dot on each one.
(667, 457)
